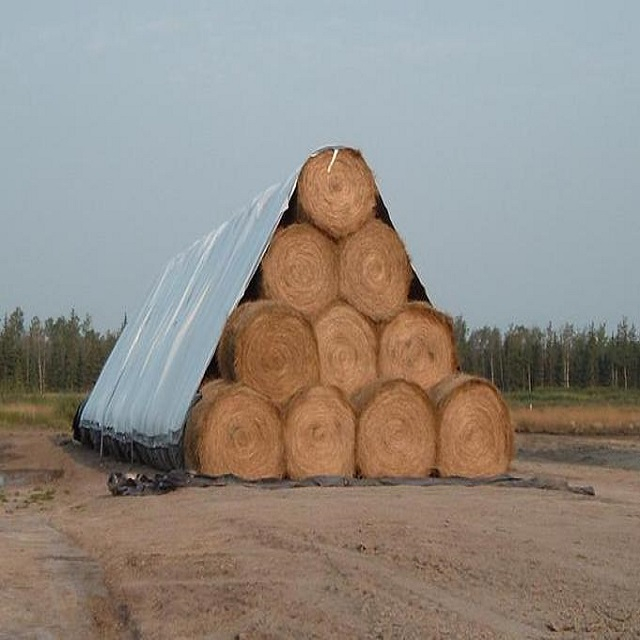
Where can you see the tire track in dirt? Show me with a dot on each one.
(53, 589)
(394, 585)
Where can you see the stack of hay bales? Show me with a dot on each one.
(334, 369)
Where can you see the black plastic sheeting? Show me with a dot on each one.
(125, 484)
(128, 450)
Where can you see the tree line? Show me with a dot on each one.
(61, 354)
(67, 354)
(527, 358)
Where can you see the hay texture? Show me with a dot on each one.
(234, 429)
(396, 430)
(301, 269)
(194, 420)
(347, 348)
(418, 345)
(271, 348)
(375, 274)
(319, 434)
(336, 191)
(475, 435)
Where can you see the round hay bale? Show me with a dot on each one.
(194, 421)
(301, 269)
(238, 431)
(396, 430)
(475, 435)
(336, 191)
(347, 348)
(270, 347)
(418, 345)
(319, 434)
(375, 275)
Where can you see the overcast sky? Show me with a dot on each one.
(505, 138)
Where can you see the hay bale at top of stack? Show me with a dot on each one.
(234, 429)
(475, 435)
(300, 268)
(418, 345)
(270, 347)
(336, 191)
(347, 348)
(396, 430)
(319, 434)
(375, 274)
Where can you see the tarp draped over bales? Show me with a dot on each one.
(149, 381)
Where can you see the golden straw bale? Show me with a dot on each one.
(270, 347)
(319, 434)
(194, 420)
(418, 345)
(210, 386)
(336, 191)
(347, 347)
(396, 430)
(237, 431)
(301, 269)
(475, 435)
(375, 274)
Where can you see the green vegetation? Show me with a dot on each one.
(559, 397)
(63, 354)
(51, 410)
(530, 359)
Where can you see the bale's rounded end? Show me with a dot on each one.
(396, 432)
(239, 432)
(475, 436)
(347, 348)
(418, 345)
(375, 275)
(336, 191)
(300, 269)
(319, 434)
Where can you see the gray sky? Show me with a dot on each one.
(505, 137)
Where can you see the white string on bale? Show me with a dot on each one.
(336, 191)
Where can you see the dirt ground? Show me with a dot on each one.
(352, 562)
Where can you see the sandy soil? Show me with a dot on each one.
(356, 562)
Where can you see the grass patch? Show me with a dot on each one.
(51, 410)
(554, 397)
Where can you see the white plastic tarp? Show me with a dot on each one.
(147, 385)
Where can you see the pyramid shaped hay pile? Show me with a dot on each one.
(334, 364)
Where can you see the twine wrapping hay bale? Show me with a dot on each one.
(271, 348)
(347, 348)
(418, 345)
(336, 191)
(375, 275)
(319, 434)
(396, 430)
(238, 431)
(475, 435)
(301, 269)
